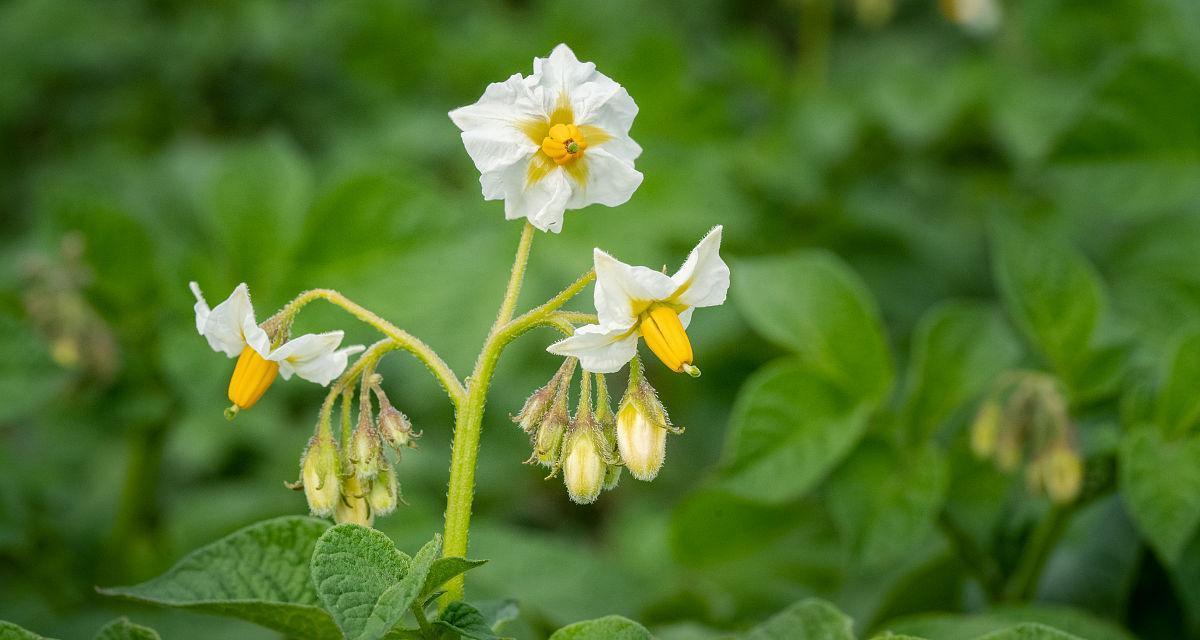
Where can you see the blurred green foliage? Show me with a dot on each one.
(911, 209)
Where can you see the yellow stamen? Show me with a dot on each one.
(251, 378)
(661, 328)
(564, 143)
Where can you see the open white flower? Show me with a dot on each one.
(639, 301)
(552, 141)
(230, 328)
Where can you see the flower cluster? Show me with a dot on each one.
(357, 483)
(555, 140)
(1024, 420)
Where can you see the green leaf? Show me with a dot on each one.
(1135, 148)
(365, 582)
(884, 523)
(1069, 622)
(10, 631)
(1030, 631)
(498, 612)
(28, 377)
(790, 427)
(810, 619)
(1178, 406)
(606, 628)
(958, 350)
(815, 305)
(1053, 295)
(123, 629)
(443, 569)
(259, 574)
(713, 526)
(467, 621)
(1160, 481)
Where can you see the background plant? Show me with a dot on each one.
(167, 141)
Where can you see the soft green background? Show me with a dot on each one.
(300, 144)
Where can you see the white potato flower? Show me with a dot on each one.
(552, 141)
(230, 328)
(639, 301)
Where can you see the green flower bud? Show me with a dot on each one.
(612, 476)
(385, 491)
(319, 475)
(547, 446)
(583, 465)
(1062, 473)
(353, 506)
(396, 429)
(985, 429)
(535, 408)
(365, 451)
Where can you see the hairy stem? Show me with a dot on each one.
(469, 417)
(403, 339)
(1024, 581)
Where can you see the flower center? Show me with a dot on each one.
(663, 331)
(251, 378)
(564, 143)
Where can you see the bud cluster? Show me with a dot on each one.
(1025, 421)
(592, 446)
(358, 481)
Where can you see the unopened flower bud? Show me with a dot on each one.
(612, 476)
(642, 426)
(365, 451)
(1008, 448)
(353, 507)
(1062, 473)
(583, 466)
(535, 408)
(397, 429)
(385, 491)
(985, 429)
(548, 444)
(319, 475)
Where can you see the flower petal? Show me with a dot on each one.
(542, 202)
(497, 148)
(621, 287)
(600, 349)
(314, 357)
(703, 280)
(503, 104)
(201, 307)
(610, 181)
(225, 326)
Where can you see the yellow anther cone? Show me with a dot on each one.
(252, 377)
(664, 334)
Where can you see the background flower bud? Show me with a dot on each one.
(547, 444)
(985, 429)
(353, 507)
(1062, 473)
(319, 475)
(612, 476)
(583, 467)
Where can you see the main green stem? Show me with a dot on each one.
(469, 418)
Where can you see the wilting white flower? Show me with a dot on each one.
(230, 328)
(639, 301)
(552, 141)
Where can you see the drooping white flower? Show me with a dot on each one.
(552, 141)
(639, 301)
(230, 328)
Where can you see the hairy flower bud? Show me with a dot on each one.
(547, 445)
(612, 476)
(642, 426)
(985, 429)
(583, 465)
(536, 407)
(319, 475)
(396, 429)
(353, 507)
(366, 450)
(385, 491)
